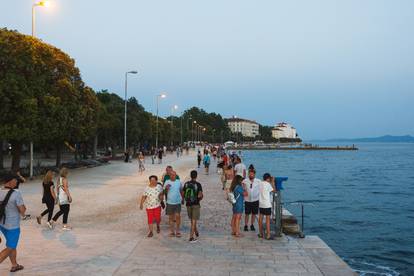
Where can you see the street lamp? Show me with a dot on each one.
(125, 117)
(160, 96)
(192, 130)
(175, 107)
(38, 4)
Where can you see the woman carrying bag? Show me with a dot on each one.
(64, 199)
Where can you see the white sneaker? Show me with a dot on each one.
(50, 225)
(66, 228)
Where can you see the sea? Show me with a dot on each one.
(361, 203)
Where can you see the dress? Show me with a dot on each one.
(238, 207)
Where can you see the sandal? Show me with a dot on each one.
(270, 238)
(260, 236)
(150, 235)
(178, 235)
(16, 268)
(171, 235)
(158, 229)
(238, 235)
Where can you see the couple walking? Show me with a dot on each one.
(62, 197)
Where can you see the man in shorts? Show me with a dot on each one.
(193, 194)
(265, 206)
(251, 202)
(174, 195)
(10, 228)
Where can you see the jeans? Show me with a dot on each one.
(64, 210)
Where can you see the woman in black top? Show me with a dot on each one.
(49, 198)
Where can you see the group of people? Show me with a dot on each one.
(246, 193)
(13, 210)
(171, 190)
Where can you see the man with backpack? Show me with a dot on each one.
(193, 194)
(11, 209)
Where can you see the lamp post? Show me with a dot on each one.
(175, 107)
(38, 4)
(125, 115)
(160, 96)
(192, 131)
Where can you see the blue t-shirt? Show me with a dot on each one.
(207, 159)
(174, 191)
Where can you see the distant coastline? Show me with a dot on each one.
(381, 139)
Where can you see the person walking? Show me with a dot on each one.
(265, 206)
(152, 201)
(141, 160)
(206, 162)
(193, 194)
(174, 195)
(48, 198)
(160, 154)
(12, 208)
(251, 204)
(239, 194)
(64, 199)
(199, 158)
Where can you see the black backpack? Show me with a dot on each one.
(3, 206)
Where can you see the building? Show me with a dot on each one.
(247, 128)
(284, 130)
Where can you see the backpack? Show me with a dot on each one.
(3, 206)
(191, 193)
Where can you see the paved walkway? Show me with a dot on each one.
(109, 236)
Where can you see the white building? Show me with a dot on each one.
(284, 130)
(247, 128)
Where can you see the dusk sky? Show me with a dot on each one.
(331, 68)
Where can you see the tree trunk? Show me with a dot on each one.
(95, 147)
(58, 155)
(16, 155)
(1, 154)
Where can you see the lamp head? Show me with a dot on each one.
(163, 95)
(133, 72)
(175, 107)
(45, 4)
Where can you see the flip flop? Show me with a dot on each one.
(150, 235)
(171, 235)
(270, 238)
(178, 235)
(260, 236)
(16, 268)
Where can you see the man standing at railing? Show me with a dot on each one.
(265, 206)
(251, 203)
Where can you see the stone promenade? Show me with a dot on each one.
(109, 234)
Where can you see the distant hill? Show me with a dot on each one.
(381, 139)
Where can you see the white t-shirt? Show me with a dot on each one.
(253, 189)
(264, 196)
(239, 169)
(152, 194)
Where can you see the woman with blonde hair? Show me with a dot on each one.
(49, 198)
(64, 199)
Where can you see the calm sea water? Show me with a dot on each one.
(361, 203)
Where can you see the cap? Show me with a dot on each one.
(10, 176)
(266, 176)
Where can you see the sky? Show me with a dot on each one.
(333, 69)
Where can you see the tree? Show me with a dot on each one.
(42, 95)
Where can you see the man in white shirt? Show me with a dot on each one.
(251, 201)
(240, 168)
(265, 206)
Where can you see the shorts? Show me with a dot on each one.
(173, 209)
(265, 211)
(251, 208)
(12, 237)
(193, 212)
(154, 214)
(206, 165)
